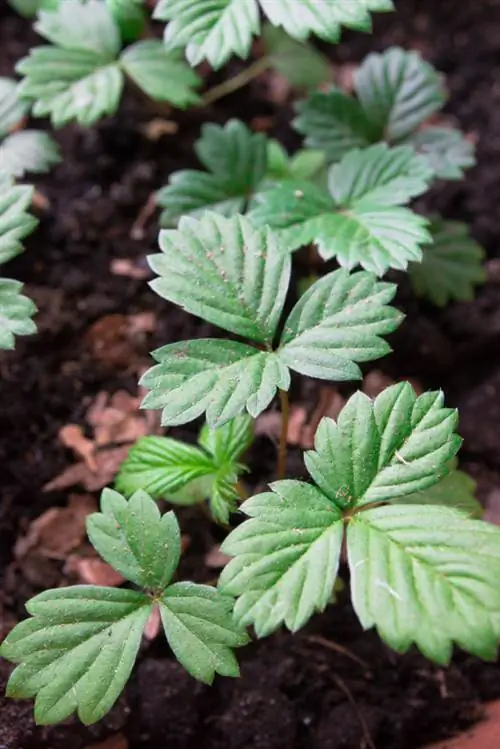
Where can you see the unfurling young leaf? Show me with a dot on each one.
(78, 649)
(451, 266)
(423, 573)
(237, 276)
(397, 91)
(358, 219)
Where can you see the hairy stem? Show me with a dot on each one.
(285, 415)
(238, 81)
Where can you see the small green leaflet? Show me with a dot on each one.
(300, 63)
(358, 219)
(426, 575)
(217, 29)
(451, 267)
(228, 443)
(236, 162)
(307, 163)
(12, 110)
(129, 16)
(28, 151)
(456, 490)
(448, 151)
(15, 222)
(78, 649)
(16, 311)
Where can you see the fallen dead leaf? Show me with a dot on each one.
(484, 735)
(157, 127)
(298, 417)
(72, 437)
(215, 559)
(107, 464)
(94, 571)
(153, 624)
(118, 741)
(116, 419)
(124, 267)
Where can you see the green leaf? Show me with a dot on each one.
(28, 151)
(451, 266)
(304, 164)
(12, 109)
(426, 575)
(220, 377)
(381, 450)
(81, 24)
(161, 74)
(16, 311)
(129, 16)
(224, 497)
(286, 557)
(334, 123)
(30, 8)
(228, 442)
(338, 322)
(456, 490)
(161, 466)
(448, 151)
(135, 539)
(235, 159)
(300, 63)
(398, 91)
(15, 222)
(77, 651)
(210, 30)
(225, 271)
(200, 630)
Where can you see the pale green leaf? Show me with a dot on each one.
(225, 271)
(381, 450)
(28, 151)
(12, 109)
(451, 266)
(448, 151)
(427, 575)
(30, 8)
(221, 378)
(300, 63)
(135, 539)
(338, 322)
(200, 629)
(286, 557)
(15, 222)
(235, 159)
(306, 163)
(228, 442)
(77, 651)
(81, 24)
(456, 490)
(129, 16)
(162, 466)
(398, 91)
(16, 311)
(212, 30)
(163, 75)
(224, 497)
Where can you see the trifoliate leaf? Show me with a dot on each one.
(129, 16)
(163, 75)
(229, 442)
(236, 161)
(16, 311)
(226, 271)
(383, 449)
(77, 651)
(200, 629)
(368, 228)
(304, 164)
(426, 575)
(334, 123)
(448, 151)
(338, 322)
(28, 151)
(456, 490)
(300, 63)
(15, 222)
(212, 30)
(12, 109)
(135, 539)
(220, 377)
(286, 557)
(451, 266)
(398, 91)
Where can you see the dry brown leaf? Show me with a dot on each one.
(118, 741)
(107, 464)
(122, 266)
(94, 571)
(296, 422)
(215, 559)
(116, 419)
(153, 624)
(72, 437)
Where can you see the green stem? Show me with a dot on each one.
(285, 416)
(238, 81)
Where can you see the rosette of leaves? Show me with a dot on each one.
(238, 164)
(396, 93)
(184, 474)
(77, 649)
(421, 572)
(358, 218)
(237, 276)
(16, 310)
(215, 31)
(21, 151)
(80, 74)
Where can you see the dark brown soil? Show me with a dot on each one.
(296, 692)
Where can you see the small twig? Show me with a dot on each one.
(318, 640)
(147, 210)
(236, 82)
(345, 689)
(285, 416)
